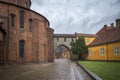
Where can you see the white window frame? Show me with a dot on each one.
(116, 50)
(88, 40)
(101, 51)
(90, 52)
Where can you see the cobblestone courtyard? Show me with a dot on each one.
(61, 69)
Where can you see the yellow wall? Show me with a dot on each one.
(111, 55)
(108, 52)
(95, 53)
(68, 54)
(91, 39)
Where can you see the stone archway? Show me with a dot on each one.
(62, 51)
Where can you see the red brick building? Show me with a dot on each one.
(25, 35)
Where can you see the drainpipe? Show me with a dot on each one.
(7, 41)
(106, 52)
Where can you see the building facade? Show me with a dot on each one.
(64, 40)
(106, 46)
(62, 45)
(27, 35)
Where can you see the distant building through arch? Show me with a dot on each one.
(62, 45)
(62, 51)
(65, 40)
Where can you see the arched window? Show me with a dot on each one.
(21, 48)
(30, 24)
(22, 13)
(13, 20)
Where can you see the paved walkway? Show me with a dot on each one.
(68, 70)
(61, 69)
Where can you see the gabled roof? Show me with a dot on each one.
(107, 35)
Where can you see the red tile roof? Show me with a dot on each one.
(107, 35)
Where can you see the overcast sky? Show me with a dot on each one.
(82, 16)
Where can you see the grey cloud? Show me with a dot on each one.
(69, 16)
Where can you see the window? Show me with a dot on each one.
(30, 24)
(88, 40)
(102, 51)
(90, 52)
(65, 39)
(21, 48)
(16, 1)
(12, 20)
(57, 39)
(22, 19)
(116, 50)
(72, 39)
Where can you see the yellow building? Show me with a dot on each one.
(106, 46)
(88, 37)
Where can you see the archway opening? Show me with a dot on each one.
(62, 51)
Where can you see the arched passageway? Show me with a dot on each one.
(62, 51)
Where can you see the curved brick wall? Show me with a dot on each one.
(35, 37)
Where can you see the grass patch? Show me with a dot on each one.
(106, 70)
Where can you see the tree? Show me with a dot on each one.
(79, 47)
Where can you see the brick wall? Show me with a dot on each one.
(36, 41)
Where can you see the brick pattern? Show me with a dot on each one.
(38, 42)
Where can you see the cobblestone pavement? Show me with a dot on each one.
(61, 69)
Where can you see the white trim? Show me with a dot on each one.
(102, 51)
(116, 50)
(90, 52)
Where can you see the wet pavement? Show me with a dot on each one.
(68, 70)
(61, 69)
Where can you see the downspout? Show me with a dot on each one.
(106, 52)
(7, 41)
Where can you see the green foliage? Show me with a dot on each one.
(79, 47)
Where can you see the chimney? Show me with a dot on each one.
(112, 24)
(118, 23)
(105, 25)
